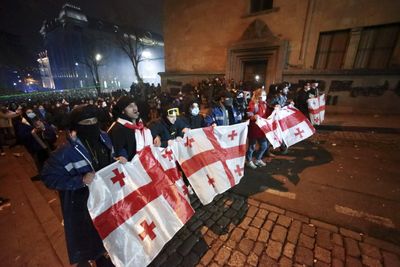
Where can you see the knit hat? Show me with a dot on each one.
(121, 104)
(82, 112)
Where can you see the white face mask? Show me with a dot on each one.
(31, 115)
(264, 97)
(195, 111)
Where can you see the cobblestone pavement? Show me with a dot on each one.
(235, 231)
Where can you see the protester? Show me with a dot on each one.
(223, 112)
(301, 99)
(69, 169)
(128, 133)
(193, 117)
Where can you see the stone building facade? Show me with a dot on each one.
(351, 46)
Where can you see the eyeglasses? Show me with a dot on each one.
(173, 112)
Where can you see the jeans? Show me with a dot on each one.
(263, 142)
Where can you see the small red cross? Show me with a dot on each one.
(238, 170)
(299, 132)
(211, 181)
(185, 190)
(232, 135)
(119, 177)
(148, 230)
(167, 154)
(189, 141)
(316, 119)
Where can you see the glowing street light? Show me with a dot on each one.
(257, 77)
(98, 57)
(146, 54)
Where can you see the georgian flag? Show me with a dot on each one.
(138, 207)
(316, 109)
(212, 158)
(287, 125)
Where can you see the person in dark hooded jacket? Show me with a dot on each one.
(68, 170)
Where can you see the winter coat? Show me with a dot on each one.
(259, 109)
(217, 116)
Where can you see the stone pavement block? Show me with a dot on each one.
(263, 236)
(252, 211)
(237, 234)
(223, 255)
(173, 260)
(209, 223)
(353, 262)
(206, 215)
(337, 263)
(207, 258)
(322, 254)
(289, 249)
(231, 243)
(370, 251)
(224, 237)
(371, 262)
(237, 259)
(298, 217)
(274, 249)
(259, 248)
(252, 259)
(382, 244)
(237, 204)
(337, 239)
(324, 238)
(294, 231)
(223, 221)
(262, 214)
(324, 225)
(321, 264)
(349, 233)
(285, 262)
(268, 225)
(187, 245)
(252, 233)
(272, 216)
(279, 233)
(390, 259)
(338, 253)
(246, 245)
(272, 208)
(216, 215)
(191, 259)
(308, 230)
(230, 213)
(208, 239)
(253, 202)
(306, 241)
(201, 247)
(257, 222)
(197, 224)
(267, 262)
(352, 248)
(284, 220)
(245, 223)
(304, 256)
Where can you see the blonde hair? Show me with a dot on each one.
(257, 95)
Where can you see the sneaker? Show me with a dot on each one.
(260, 163)
(4, 202)
(251, 165)
(285, 151)
(18, 154)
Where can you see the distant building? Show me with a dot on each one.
(351, 47)
(77, 48)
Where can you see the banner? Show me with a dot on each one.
(316, 109)
(139, 206)
(212, 158)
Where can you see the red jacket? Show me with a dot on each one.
(261, 110)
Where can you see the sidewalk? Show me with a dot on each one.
(231, 231)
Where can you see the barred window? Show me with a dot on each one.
(260, 5)
(331, 49)
(376, 46)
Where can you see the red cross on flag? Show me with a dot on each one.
(316, 109)
(214, 160)
(138, 207)
(286, 125)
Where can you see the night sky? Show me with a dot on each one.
(25, 17)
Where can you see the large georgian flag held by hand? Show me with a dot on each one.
(138, 207)
(287, 125)
(316, 109)
(212, 158)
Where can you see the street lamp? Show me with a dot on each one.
(257, 77)
(98, 57)
(146, 54)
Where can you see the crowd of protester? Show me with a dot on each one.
(144, 115)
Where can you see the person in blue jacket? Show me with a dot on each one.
(69, 169)
(223, 112)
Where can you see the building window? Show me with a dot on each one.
(376, 46)
(331, 49)
(260, 5)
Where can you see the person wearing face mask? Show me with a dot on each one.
(128, 133)
(69, 169)
(223, 112)
(241, 103)
(193, 117)
(257, 108)
(280, 99)
(168, 127)
(301, 99)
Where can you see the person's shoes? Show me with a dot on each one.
(18, 154)
(251, 165)
(2, 154)
(260, 163)
(271, 155)
(36, 178)
(285, 151)
(4, 202)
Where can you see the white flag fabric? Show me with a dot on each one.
(287, 125)
(139, 206)
(316, 109)
(212, 158)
